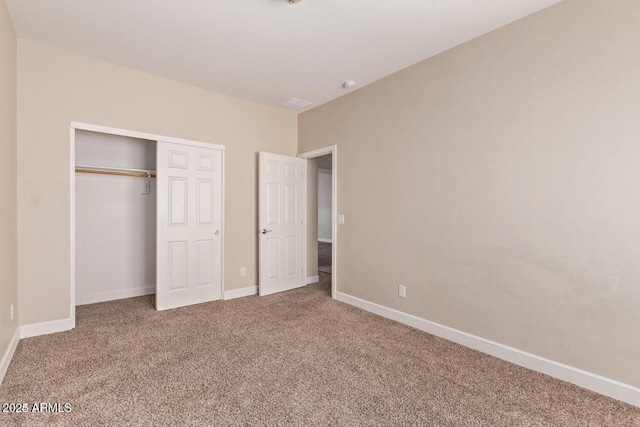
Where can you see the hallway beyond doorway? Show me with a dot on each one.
(324, 257)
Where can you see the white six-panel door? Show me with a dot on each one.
(189, 241)
(282, 201)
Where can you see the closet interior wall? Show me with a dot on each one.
(115, 219)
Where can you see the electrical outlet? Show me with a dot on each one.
(243, 271)
(11, 311)
(402, 291)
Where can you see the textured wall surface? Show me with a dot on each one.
(56, 88)
(8, 181)
(498, 182)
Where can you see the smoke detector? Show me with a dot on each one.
(349, 84)
(293, 1)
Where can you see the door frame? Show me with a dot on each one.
(72, 189)
(333, 150)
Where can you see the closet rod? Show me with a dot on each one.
(116, 171)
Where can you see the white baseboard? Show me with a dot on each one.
(44, 328)
(8, 354)
(111, 296)
(242, 292)
(325, 240)
(606, 386)
(313, 279)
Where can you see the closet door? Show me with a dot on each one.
(189, 242)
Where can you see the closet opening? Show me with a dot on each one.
(115, 217)
(146, 216)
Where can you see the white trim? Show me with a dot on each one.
(72, 226)
(313, 279)
(606, 386)
(8, 354)
(223, 231)
(334, 220)
(242, 292)
(305, 177)
(318, 152)
(143, 135)
(115, 295)
(44, 328)
(324, 240)
(333, 150)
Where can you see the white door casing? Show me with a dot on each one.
(282, 210)
(189, 241)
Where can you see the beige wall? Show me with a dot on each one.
(55, 88)
(8, 181)
(499, 181)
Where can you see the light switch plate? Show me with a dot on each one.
(341, 219)
(402, 291)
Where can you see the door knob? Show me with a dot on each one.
(264, 231)
(216, 232)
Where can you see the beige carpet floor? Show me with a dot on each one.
(295, 358)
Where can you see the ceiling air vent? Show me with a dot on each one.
(296, 104)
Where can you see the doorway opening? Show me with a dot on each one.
(322, 217)
(323, 193)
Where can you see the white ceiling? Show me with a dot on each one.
(266, 51)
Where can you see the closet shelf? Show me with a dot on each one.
(142, 173)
